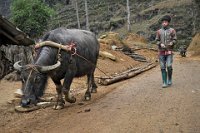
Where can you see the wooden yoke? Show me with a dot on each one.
(53, 44)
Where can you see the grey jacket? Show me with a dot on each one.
(166, 36)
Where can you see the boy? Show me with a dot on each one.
(166, 38)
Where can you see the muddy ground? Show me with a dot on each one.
(135, 105)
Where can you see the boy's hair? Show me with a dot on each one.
(166, 18)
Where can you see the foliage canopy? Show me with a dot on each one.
(31, 16)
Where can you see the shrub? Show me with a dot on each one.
(32, 17)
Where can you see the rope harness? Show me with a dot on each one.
(92, 64)
(73, 50)
(33, 68)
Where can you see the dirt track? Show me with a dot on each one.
(135, 105)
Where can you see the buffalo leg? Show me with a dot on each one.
(91, 78)
(66, 86)
(92, 87)
(60, 102)
(89, 88)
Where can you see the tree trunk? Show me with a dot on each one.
(194, 15)
(128, 16)
(126, 75)
(197, 19)
(87, 17)
(77, 14)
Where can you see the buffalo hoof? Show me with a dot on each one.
(72, 99)
(87, 97)
(58, 107)
(69, 97)
(94, 90)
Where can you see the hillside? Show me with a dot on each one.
(109, 15)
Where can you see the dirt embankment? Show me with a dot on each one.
(194, 47)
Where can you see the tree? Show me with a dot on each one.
(86, 14)
(77, 14)
(197, 17)
(128, 16)
(31, 16)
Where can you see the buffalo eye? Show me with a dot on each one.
(22, 79)
(37, 79)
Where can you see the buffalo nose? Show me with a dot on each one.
(25, 102)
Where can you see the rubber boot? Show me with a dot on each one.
(169, 72)
(164, 78)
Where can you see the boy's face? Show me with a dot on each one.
(165, 23)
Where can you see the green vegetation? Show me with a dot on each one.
(32, 17)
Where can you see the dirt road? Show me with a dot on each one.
(138, 105)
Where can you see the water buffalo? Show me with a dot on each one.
(34, 76)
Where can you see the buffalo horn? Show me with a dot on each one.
(17, 66)
(49, 68)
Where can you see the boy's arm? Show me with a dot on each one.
(174, 37)
(158, 42)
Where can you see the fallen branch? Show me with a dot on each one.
(141, 60)
(126, 75)
(136, 49)
(100, 77)
(127, 71)
(107, 55)
(136, 56)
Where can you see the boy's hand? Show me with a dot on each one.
(170, 44)
(162, 45)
